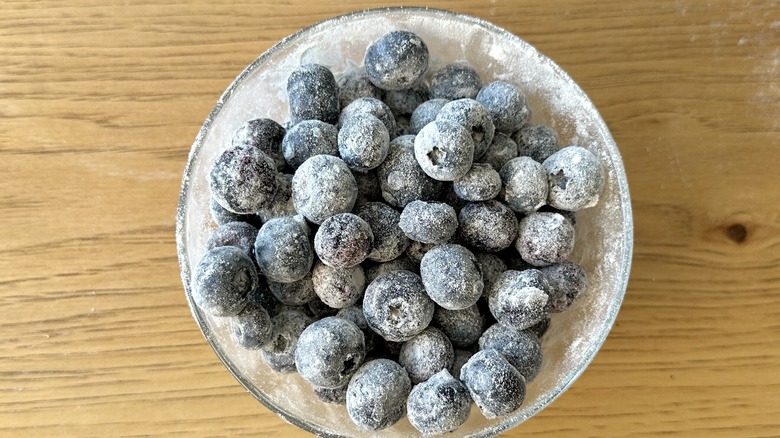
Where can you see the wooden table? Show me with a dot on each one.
(100, 101)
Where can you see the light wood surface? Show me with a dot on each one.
(100, 101)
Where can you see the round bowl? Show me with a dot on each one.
(604, 233)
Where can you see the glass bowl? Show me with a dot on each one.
(604, 233)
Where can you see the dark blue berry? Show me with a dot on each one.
(329, 351)
(313, 94)
(223, 279)
(264, 134)
(439, 405)
(396, 60)
(376, 395)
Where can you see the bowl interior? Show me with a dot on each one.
(604, 233)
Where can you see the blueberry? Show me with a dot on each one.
(323, 186)
(396, 60)
(389, 240)
(438, 405)
(455, 81)
(463, 327)
(368, 106)
(296, 293)
(313, 94)
(480, 183)
(243, 180)
(279, 351)
(500, 151)
(545, 238)
(264, 134)
(251, 328)
(475, 118)
(376, 395)
(494, 384)
(487, 226)
(451, 276)
(425, 113)
(355, 314)
(282, 249)
(521, 348)
(222, 216)
(338, 288)
(343, 240)
(536, 141)
(525, 184)
(491, 267)
(223, 279)
(427, 353)
(444, 150)
(363, 142)
(404, 102)
(403, 262)
(401, 178)
(355, 84)
(428, 222)
(329, 351)
(307, 139)
(238, 234)
(568, 282)
(396, 306)
(520, 299)
(576, 178)
(506, 104)
(282, 204)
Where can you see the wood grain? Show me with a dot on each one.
(100, 100)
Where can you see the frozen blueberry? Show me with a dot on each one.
(307, 139)
(403, 262)
(428, 222)
(376, 395)
(338, 288)
(404, 102)
(264, 134)
(451, 276)
(396, 60)
(363, 142)
(368, 188)
(329, 351)
(463, 327)
(480, 183)
(500, 151)
(251, 328)
(396, 306)
(506, 104)
(522, 348)
(494, 384)
(372, 107)
(282, 249)
(389, 240)
(427, 353)
(239, 234)
(223, 279)
(313, 94)
(487, 226)
(222, 216)
(475, 118)
(243, 180)
(491, 267)
(455, 81)
(282, 205)
(323, 186)
(540, 328)
(536, 141)
(296, 293)
(425, 113)
(401, 178)
(576, 178)
(460, 359)
(567, 282)
(279, 351)
(343, 240)
(444, 149)
(439, 405)
(355, 314)
(336, 396)
(545, 238)
(355, 84)
(520, 299)
(525, 184)
(417, 251)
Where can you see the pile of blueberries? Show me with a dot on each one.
(402, 242)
